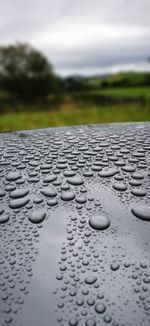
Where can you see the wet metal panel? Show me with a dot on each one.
(75, 226)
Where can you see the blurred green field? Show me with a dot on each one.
(73, 114)
(123, 97)
(128, 78)
(124, 92)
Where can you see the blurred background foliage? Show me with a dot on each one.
(33, 96)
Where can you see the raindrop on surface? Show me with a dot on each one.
(76, 181)
(17, 203)
(3, 218)
(69, 173)
(137, 176)
(65, 187)
(48, 192)
(107, 319)
(90, 301)
(100, 308)
(81, 199)
(37, 217)
(79, 302)
(52, 202)
(118, 177)
(96, 168)
(142, 212)
(2, 193)
(73, 322)
(90, 279)
(18, 193)
(88, 173)
(12, 176)
(135, 183)
(128, 168)
(90, 322)
(99, 222)
(114, 266)
(67, 196)
(50, 178)
(120, 186)
(138, 192)
(108, 172)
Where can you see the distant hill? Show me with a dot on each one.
(129, 78)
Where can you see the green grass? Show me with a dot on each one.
(132, 92)
(74, 115)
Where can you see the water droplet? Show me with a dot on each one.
(1, 211)
(105, 173)
(90, 301)
(50, 178)
(52, 202)
(67, 195)
(48, 192)
(120, 186)
(142, 211)
(76, 181)
(99, 222)
(37, 217)
(80, 302)
(128, 168)
(135, 183)
(33, 163)
(17, 203)
(69, 173)
(12, 176)
(88, 173)
(100, 308)
(107, 319)
(18, 193)
(65, 187)
(90, 322)
(73, 322)
(2, 193)
(138, 192)
(90, 279)
(96, 168)
(114, 266)
(137, 176)
(81, 199)
(3, 218)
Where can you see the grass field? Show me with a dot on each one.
(125, 92)
(74, 115)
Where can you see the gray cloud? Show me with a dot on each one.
(81, 35)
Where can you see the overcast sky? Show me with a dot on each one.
(81, 36)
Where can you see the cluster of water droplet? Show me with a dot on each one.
(41, 171)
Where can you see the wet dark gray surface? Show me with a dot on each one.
(75, 226)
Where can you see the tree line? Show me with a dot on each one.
(27, 75)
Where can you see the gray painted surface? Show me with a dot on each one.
(75, 226)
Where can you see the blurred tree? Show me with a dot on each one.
(25, 72)
(76, 84)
